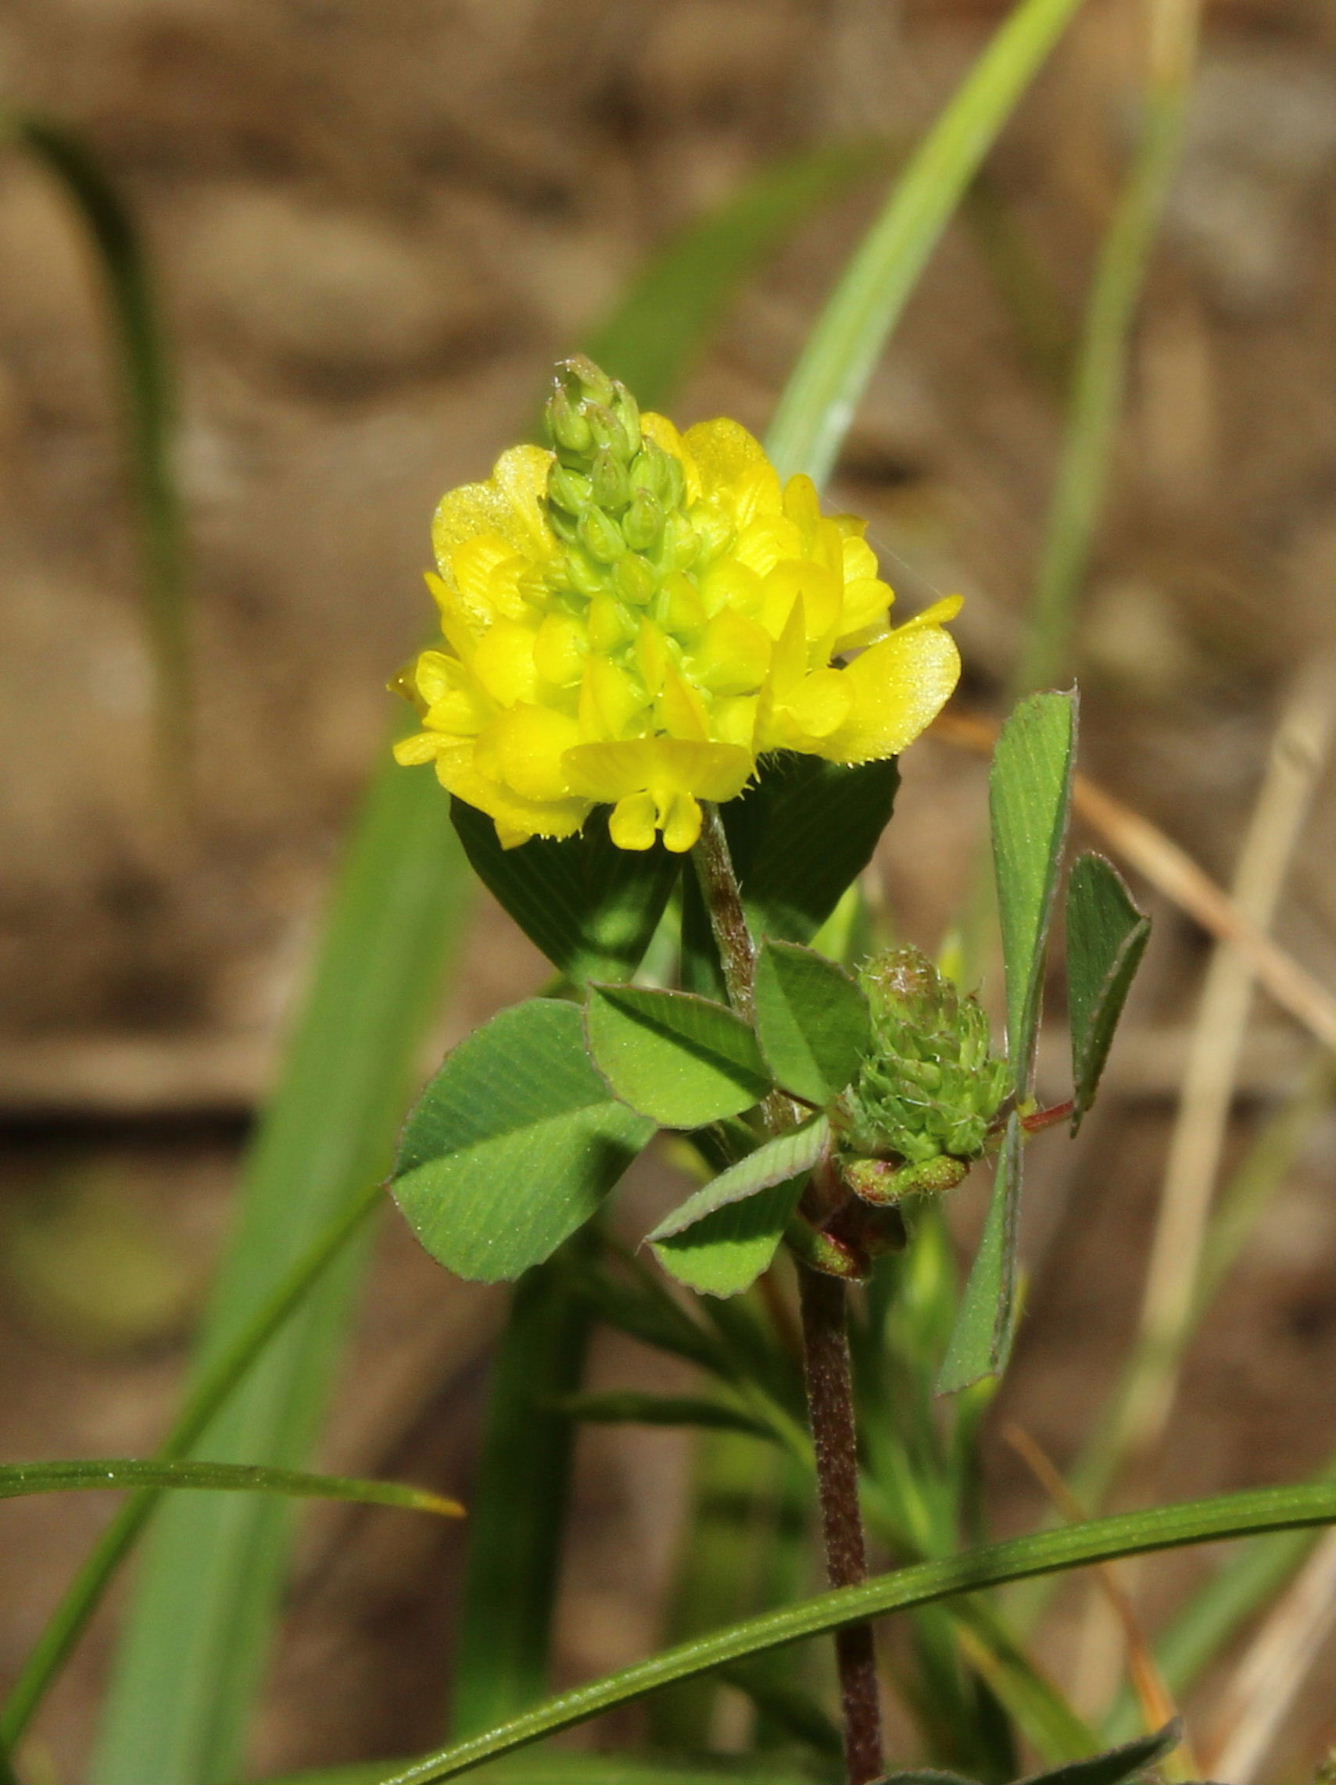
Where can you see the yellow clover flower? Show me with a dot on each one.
(636, 617)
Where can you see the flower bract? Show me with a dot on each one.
(636, 616)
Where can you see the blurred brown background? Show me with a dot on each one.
(374, 227)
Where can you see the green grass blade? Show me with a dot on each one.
(503, 1635)
(71, 1474)
(661, 324)
(148, 398)
(1101, 376)
(589, 1769)
(198, 1633)
(824, 391)
(67, 1624)
(1074, 1546)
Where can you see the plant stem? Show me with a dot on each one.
(723, 901)
(831, 1409)
(830, 1399)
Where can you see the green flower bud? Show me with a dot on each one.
(568, 427)
(634, 581)
(600, 536)
(609, 484)
(642, 524)
(570, 491)
(930, 1088)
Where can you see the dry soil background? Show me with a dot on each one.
(374, 227)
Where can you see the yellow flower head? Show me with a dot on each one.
(637, 616)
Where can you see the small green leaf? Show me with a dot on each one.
(680, 1059)
(812, 1021)
(786, 1156)
(513, 1144)
(799, 837)
(1116, 1766)
(725, 1252)
(591, 907)
(981, 1340)
(803, 834)
(630, 1407)
(1029, 798)
(67, 1474)
(1106, 938)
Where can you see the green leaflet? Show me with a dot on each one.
(721, 1239)
(682, 1060)
(513, 1145)
(812, 1021)
(1029, 795)
(981, 1339)
(1106, 938)
(725, 1252)
(788, 1155)
(591, 907)
(67, 1474)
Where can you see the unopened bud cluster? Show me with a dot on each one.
(930, 1088)
(616, 500)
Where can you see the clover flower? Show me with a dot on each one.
(637, 616)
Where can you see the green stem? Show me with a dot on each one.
(826, 1367)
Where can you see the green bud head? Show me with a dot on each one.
(930, 1086)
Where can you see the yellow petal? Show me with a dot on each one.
(503, 662)
(899, 686)
(486, 571)
(608, 772)
(609, 700)
(680, 820)
(530, 743)
(508, 504)
(631, 823)
(559, 650)
(733, 655)
(822, 703)
(422, 746)
(732, 467)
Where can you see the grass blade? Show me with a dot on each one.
(660, 326)
(503, 1635)
(1101, 376)
(148, 398)
(70, 1474)
(1074, 1546)
(198, 1634)
(819, 402)
(66, 1626)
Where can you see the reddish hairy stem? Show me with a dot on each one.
(826, 1366)
(831, 1409)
